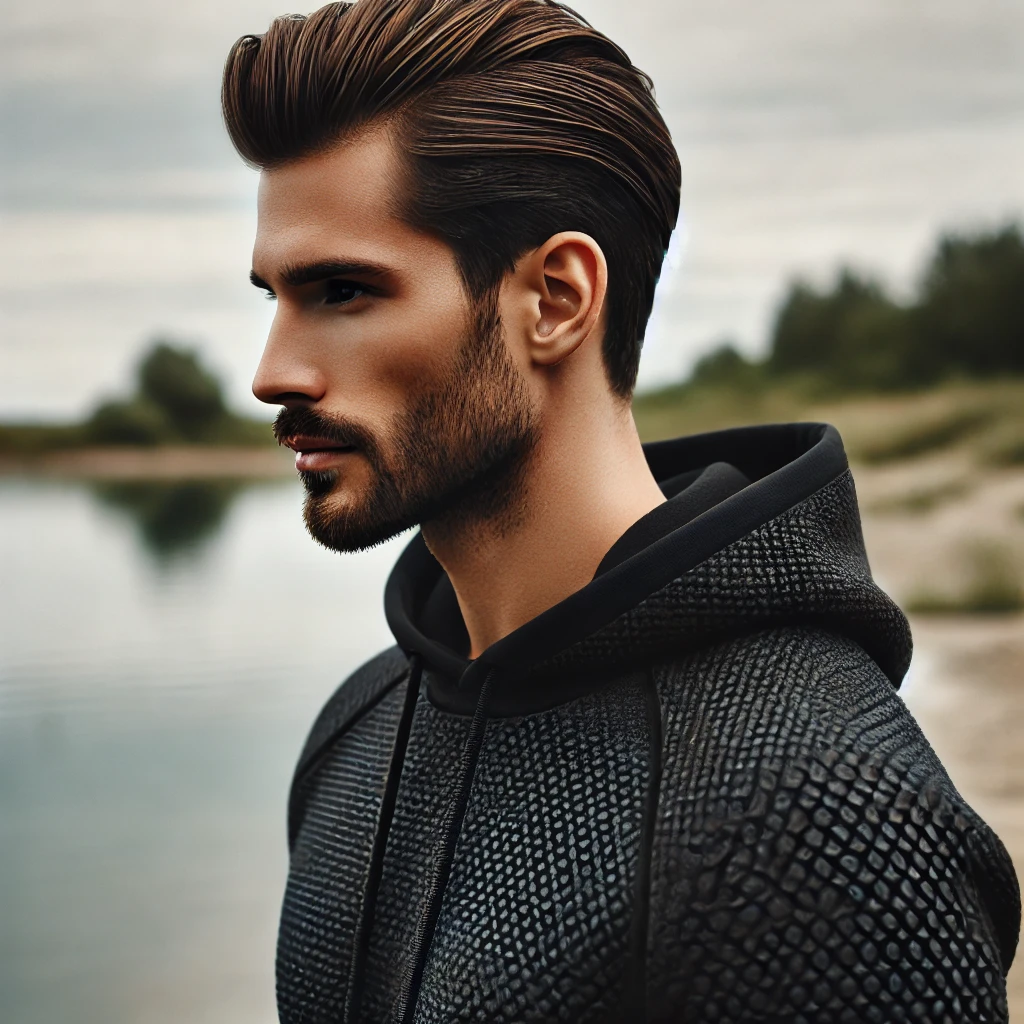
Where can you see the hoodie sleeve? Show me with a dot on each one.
(849, 882)
(869, 910)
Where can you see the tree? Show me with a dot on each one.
(725, 365)
(971, 309)
(172, 379)
(968, 319)
(852, 334)
(132, 422)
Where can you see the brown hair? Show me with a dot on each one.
(517, 118)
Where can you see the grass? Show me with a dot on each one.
(686, 409)
(1005, 447)
(31, 439)
(928, 435)
(993, 587)
(985, 419)
(923, 499)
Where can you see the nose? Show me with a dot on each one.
(287, 374)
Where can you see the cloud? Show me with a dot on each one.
(808, 133)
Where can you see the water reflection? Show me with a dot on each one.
(172, 518)
(149, 725)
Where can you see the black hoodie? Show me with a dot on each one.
(689, 791)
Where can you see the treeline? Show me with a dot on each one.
(176, 400)
(965, 320)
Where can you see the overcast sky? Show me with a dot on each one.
(809, 133)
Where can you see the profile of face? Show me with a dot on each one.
(400, 396)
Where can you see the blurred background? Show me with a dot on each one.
(850, 249)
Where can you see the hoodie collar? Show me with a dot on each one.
(649, 605)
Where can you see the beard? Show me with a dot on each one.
(454, 459)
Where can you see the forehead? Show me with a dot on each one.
(342, 203)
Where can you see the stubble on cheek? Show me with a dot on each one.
(455, 458)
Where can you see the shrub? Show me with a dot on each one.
(726, 366)
(133, 422)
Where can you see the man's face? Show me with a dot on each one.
(400, 396)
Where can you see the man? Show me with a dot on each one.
(637, 754)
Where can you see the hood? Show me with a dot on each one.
(784, 550)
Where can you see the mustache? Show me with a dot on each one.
(337, 429)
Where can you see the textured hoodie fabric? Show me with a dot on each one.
(687, 792)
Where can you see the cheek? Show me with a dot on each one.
(403, 351)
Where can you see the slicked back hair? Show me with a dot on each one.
(516, 118)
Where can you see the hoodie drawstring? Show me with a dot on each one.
(634, 1001)
(634, 997)
(446, 854)
(380, 840)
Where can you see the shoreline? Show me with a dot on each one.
(165, 462)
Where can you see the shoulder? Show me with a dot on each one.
(811, 842)
(790, 690)
(350, 701)
(356, 698)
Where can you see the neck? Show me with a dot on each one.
(585, 484)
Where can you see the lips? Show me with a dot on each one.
(309, 443)
(316, 453)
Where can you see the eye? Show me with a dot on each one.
(340, 293)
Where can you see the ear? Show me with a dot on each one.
(564, 284)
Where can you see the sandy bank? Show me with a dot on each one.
(162, 463)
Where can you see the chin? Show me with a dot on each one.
(319, 482)
(345, 525)
(334, 508)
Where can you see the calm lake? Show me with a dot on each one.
(163, 650)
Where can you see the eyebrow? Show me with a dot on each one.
(296, 275)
